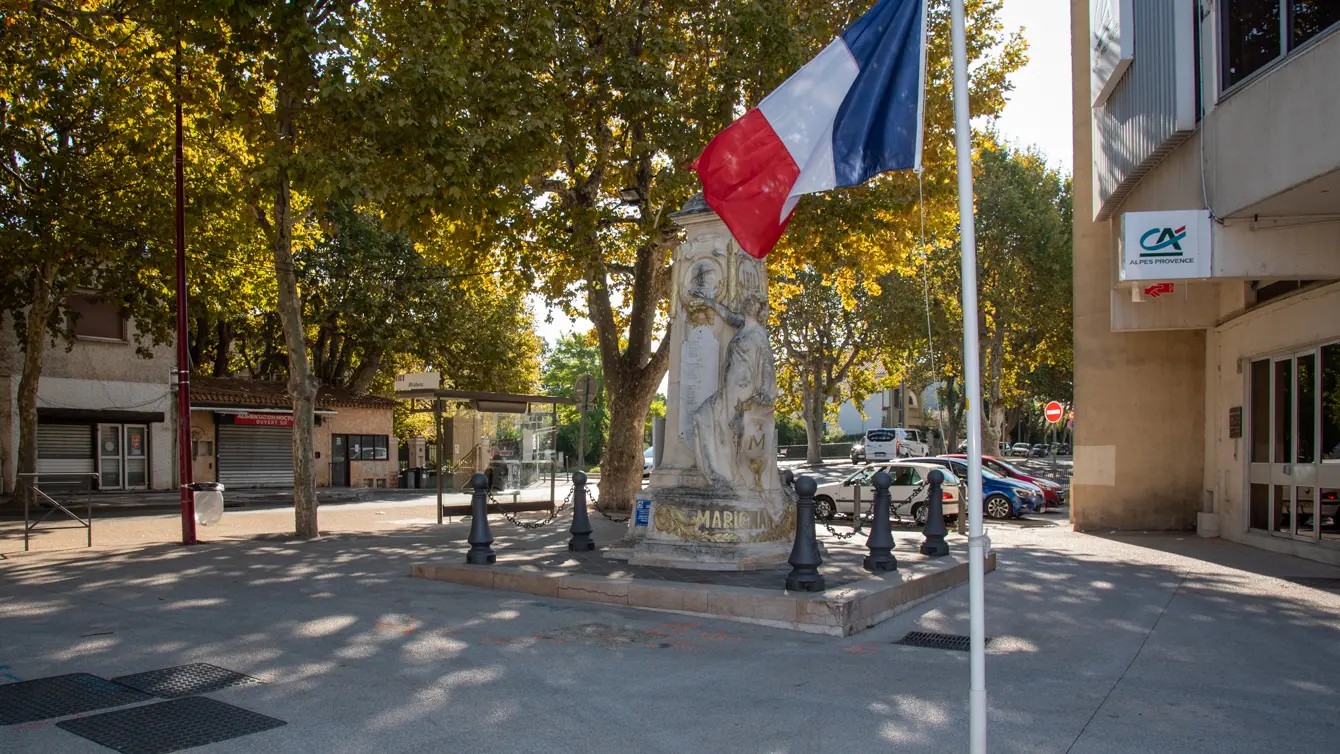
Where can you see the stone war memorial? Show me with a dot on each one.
(717, 499)
(718, 532)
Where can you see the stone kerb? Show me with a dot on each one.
(841, 611)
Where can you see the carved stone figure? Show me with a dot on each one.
(730, 427)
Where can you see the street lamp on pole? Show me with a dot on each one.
(184, 476)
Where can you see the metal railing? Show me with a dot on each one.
(30, 487)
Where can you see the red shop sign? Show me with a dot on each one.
(265, 420)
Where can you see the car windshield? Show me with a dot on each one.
(989, 474)
(879, 435)
(1001, 467)
(864, 476)
(950, 479)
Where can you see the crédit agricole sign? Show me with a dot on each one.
(1165, 245)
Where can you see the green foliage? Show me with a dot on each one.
(851, 299)
(85, 167)
(570, 357)
(790, 430)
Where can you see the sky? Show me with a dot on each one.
(1037, 113)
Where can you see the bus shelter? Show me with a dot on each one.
(510, 438)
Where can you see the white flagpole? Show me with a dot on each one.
(977, 541)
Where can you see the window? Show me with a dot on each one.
(1308, 18)
(1260, 412)
(1263, 291)
(1253, 35)
(368, 448)
(1330, 404)
(90, 318)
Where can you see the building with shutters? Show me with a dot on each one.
(242, 435)
(104, 409)
(101, 407)
(1207, 269)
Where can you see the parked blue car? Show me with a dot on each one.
(1002, 497)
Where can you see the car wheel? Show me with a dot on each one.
(919, 512)
(998, 507)
(824, 508)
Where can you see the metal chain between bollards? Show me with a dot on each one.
(854, 531)
(514, 521)
(594, 501)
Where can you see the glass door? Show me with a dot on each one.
(1328, 450)
(137, 456)
(1304, 471)
(1290, 478)
(109, 457)
(339, 460)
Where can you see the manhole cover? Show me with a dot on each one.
(57, 696)
(1318, 582)
(169, 726)
(185, 680)
(937, 641)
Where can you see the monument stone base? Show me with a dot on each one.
(715, 530)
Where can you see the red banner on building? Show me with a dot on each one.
(265, 420)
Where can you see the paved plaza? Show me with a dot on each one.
(1155, 643)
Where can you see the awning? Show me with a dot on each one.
(245, 410)
(50, 414)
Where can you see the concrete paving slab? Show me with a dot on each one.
(1099, 646)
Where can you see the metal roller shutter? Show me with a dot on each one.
(255, 456)
(65, 449)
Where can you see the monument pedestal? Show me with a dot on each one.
(702, 528)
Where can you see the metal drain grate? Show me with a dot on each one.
(60, 695)
(1318, 582)
(185, 680)
(169, 726)
(937, 641)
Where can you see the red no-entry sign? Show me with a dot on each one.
(1054, 411)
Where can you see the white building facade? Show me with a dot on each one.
(101, 407)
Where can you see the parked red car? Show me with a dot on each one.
(1053, 493)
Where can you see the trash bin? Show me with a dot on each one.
(416, 477)
(208, 497)
(405, 480)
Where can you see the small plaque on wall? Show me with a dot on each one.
(1235, 422)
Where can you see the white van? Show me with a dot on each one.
(891, 444)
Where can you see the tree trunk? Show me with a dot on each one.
(813, 401)
(995, 422)
(34, 354)
(225, 344)
(621, 466)
(367, 369)
(302, 385)
(951, 416)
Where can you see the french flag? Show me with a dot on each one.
(851, 113)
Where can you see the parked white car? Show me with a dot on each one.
(840, 497)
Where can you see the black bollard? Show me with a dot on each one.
(935, 531)
(881, 542)
(480, 537)
(581, 523)
(805, 560)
